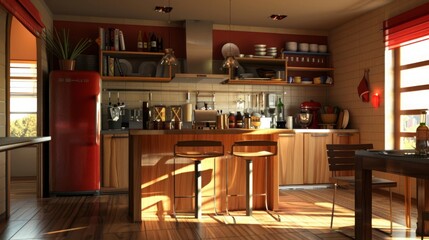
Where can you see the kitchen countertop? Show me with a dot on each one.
(237, 130)
(223, 131)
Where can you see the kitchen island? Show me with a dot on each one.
(151, 168)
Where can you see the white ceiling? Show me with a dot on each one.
(302, 14)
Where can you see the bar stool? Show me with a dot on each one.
(238, 149)
(196, 151)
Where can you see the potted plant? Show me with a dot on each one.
(58, 43)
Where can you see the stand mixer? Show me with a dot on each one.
(312, 108)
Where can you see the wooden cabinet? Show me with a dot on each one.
(302, 155)
(291, 165)
(346, 138)
(115, 162)
(315, 159)
(293, 63)
(133, 66)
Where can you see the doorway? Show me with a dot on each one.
(22, 109)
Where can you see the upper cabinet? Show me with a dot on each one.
(133, 66)
(292, 68)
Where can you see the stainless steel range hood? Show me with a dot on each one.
(199, 65)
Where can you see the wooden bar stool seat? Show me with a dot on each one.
(196, 151)
(244, 150)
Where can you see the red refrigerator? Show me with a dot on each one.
(75, 132)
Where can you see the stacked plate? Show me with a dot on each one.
(260, 49)
(272, 51)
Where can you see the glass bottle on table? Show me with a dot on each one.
(422, 132)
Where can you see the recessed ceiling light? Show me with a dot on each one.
(163, 9)
(277, 17)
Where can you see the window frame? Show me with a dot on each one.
(397, 68)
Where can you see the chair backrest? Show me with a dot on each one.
(341, 157)
(255, 143)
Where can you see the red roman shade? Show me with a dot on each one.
(406, 28)
(26, 13)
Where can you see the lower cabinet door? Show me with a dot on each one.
(115, 161)
(291, 165)
(316, 169)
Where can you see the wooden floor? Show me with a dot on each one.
(305, 214)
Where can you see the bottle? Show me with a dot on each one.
(231, 120)
(280, 114)
(160, 45)
(145, 43)
(140, 42)
(422, 132)
(239, 120)
(153, 43)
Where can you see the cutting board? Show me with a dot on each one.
(340, 120)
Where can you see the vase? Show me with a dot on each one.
(66, 64)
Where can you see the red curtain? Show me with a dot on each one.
(26, 13)
(406, 28)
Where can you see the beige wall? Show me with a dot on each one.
(357, 45)
(3, 20)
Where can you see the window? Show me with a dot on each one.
(23, 99)
(412, 90)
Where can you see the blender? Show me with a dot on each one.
(312, 107)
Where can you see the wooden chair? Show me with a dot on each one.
(196, 151)
(341, 158)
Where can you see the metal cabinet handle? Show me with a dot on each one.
(319, 134)
(344, 134)
(287, 135)
(119, 136)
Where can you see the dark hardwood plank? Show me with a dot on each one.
(305, 215)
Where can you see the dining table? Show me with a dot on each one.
(401, 162)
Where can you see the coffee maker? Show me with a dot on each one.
(313, 108)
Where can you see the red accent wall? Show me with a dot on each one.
(173, 37)
(246, 40)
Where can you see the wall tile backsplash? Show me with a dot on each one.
(226, 97)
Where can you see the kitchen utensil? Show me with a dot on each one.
(323, 48)
(115, 112)
(340, 120)
(159, 113)
(313, 108)
(304, 119)
(147, 69)
(176, 113)
(328, 118)
(126, 67)
(345, 118)
(314, 47)
(291, 46)
(303, 47)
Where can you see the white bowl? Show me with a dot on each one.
(260, 45)
(314, 47)
(260, 53)
(303, 47)
(260, 49)
(292, 46)
(323, 48)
